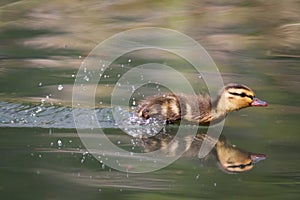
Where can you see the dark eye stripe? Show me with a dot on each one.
(242, 166)
(241, 94)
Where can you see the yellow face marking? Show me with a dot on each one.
(233, 159)
(238, 98)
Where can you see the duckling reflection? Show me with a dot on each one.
(200, 109)
(230, 159)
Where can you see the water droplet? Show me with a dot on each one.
(40, 84)
(39, 109)
(129, 60)
(215, 184)
(198, 176)
(86, 78)
(60, 87)
(133, 87)
(59, 143)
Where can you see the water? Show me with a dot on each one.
(42, 47)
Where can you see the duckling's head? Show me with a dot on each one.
(236, 96)
(235, 160)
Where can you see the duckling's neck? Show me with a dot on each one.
(210, 111)
(218, 110)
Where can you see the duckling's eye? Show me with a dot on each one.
(243, 94)
(242, 166)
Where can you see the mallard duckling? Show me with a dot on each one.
(200, 109)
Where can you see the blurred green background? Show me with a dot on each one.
(42, 44)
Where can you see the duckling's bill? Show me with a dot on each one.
(257, 157)
(258, 102)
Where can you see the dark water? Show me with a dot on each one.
(42, 46)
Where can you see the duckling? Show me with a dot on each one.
(230, 159)
(200, 109)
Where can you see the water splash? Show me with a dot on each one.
(42, 116)
(135, 126)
